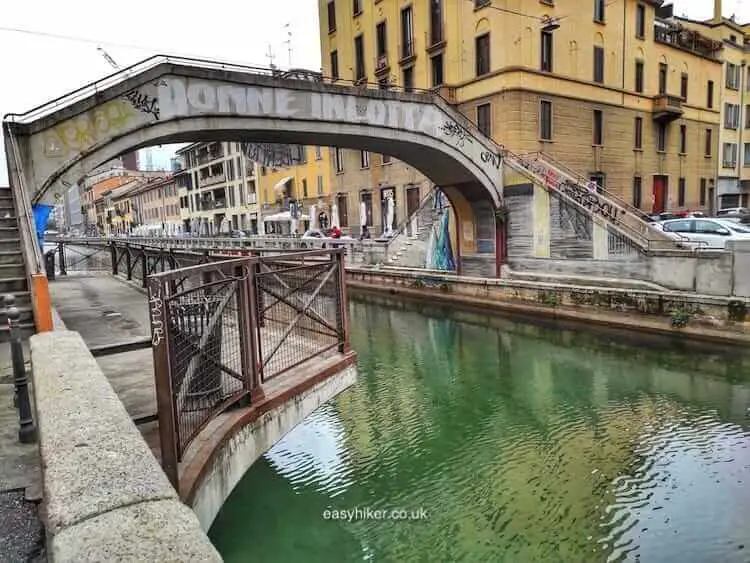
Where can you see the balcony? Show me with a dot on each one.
(667, 108)
(381, 64)
(212, 204)
(680, 37)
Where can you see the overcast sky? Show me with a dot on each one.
(37, 68)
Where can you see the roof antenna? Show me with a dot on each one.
(289, 42)
(270, 56)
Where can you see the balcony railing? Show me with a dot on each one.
(210, 205)
(210, 180)
(406, 51)
(689, 40)
(381, 64)
(667, 108)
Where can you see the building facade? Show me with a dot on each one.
(733, 184)
(622, 93)
(217, 188)
(302, 181)
(156, 206)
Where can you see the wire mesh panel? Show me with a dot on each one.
(299, 312)
(205, 352)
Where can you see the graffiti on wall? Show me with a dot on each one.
(274, 155)
(454, 131)
(495, 159)
(585, 196)
(143, 102)
(84, 131)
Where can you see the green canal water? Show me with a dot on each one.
(505, 441)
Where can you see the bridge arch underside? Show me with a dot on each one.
(442, 163)
(472, 200)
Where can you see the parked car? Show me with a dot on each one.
(705, 232)
(732, 211)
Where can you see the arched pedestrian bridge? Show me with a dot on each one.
(166, 100)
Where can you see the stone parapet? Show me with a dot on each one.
(105, 495)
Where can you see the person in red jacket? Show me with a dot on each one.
(335, 232)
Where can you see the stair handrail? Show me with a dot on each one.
(429, 196)
(24, 214)
(638, 237)
(603, 190)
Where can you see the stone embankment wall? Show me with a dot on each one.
(704, 317)
(105, 495)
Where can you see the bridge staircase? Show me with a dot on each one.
(13, 275)
(409, 247)
(602, 206)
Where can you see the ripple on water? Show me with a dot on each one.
(520, 448)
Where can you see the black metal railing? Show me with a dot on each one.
(222, 328)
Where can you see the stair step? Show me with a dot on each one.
(12, 284)
(23, 298)
(12, 270)
(9, 232)
(10, 245)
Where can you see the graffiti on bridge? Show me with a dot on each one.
(143, 102)
(585, 196)
(157, 326)
(456, 132)
(495, 159)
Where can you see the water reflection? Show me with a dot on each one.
(523, 443)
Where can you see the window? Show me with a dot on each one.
(639, 77)
(599, 6)
(729, 155)
(640, 21)
(709, 142)
(364, 159)
(662, 78)
(484, 119)
(598, 128)
(702, 192)
(356, 7)
(709, 227)
(436, 64)
(599, 65)
(731, 116)
(545, 120)
(684, 86)
(436, 21)
(320, 185)
(408, 81)
(681, 192)
(679, 226)
(710, 94)
(385, 159)
(661, 137)
(381, 39)
(747, 116)
(359, 58)
(733, 76)
(546, 64)
(304, 187)
(746, 156)
(638, 133)
(482, 53)
(407, 33)
(339, 160)
(683, 139)
(637, 191)
(598, 179)
(343, 205)
(318, 154)
(331, 16)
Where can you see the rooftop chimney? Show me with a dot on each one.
(717, 10)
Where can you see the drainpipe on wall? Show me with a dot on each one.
(741, 145)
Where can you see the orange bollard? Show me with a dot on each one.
(41, 302)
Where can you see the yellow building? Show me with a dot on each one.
(615, 91)
(307, 184)
(733, 185)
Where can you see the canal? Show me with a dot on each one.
(478, 438)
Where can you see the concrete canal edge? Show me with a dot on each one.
(706, 318)
(238, 438)
(105, 496)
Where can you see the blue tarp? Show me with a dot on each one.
(41, 216)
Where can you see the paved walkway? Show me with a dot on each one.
(21, 530)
